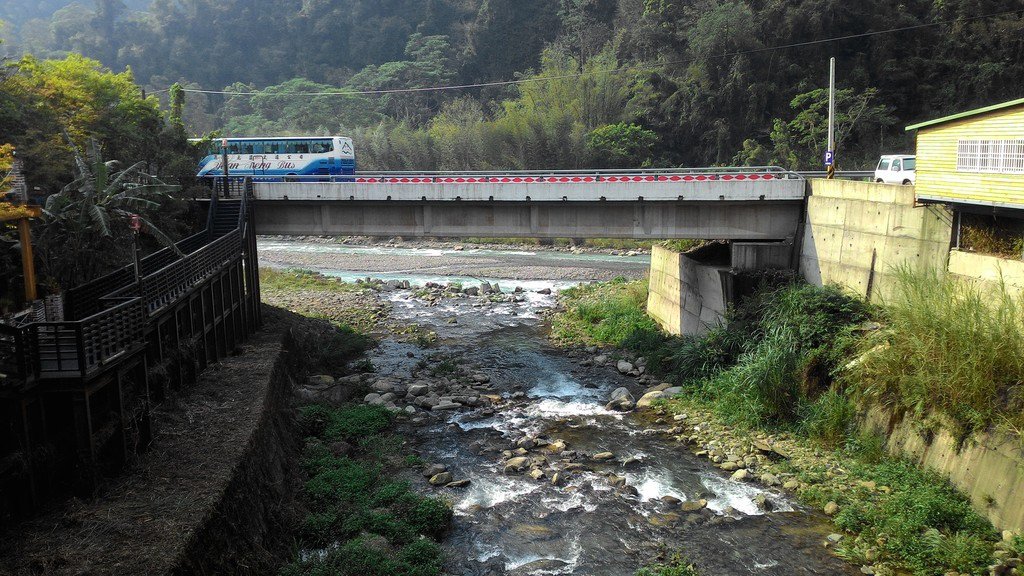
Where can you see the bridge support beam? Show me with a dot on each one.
(734, 220)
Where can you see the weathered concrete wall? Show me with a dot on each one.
(685, 296)
(857, 233)
(989, 467)
(990, 270)
(740, 220)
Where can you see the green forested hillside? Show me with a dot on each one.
(697, 82)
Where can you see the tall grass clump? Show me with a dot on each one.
(773, 362)
(950, 347)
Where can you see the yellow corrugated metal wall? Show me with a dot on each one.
(937, 176)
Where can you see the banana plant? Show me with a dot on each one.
(85, 230)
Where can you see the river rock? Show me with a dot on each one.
(340, 448)
(555, 447)
(434, 470)
(526, 443)
(517, 464)
(537, 474)
(324, 380)
(601, 456)
(671, 500)
(418, 389)
(831, 509)
(542, 566)
(441, 479)
(446, 405)
(600, 359)
(791, 485)
(624, 367)
(763, 502)
(558, 479)
(617, 481)
(740, 474)
(647, 399)
(621, 400)
(672, 391)
(458, 483)
(693, 505)
(410, 410)
(373, 399)
(383, 386)
(481, 378)
(471, 291)
(545, 291)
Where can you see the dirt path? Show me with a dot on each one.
(146, 521)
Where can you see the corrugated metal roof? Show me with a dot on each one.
(969, 113)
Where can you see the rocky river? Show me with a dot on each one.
(550, 465)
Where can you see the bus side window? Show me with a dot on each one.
(302, 148)
(273, 148)
(257, 148)
(233, 148)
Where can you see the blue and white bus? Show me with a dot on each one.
(274, 159)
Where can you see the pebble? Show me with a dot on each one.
(831, 509)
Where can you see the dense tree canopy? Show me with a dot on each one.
(709, 78)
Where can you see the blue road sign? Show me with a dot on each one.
(830, 158)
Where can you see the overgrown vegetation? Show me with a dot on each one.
(362, 521)
(796, 358)
(901, 515)
(949, 347)
(612, 313)
(285, 280)
(990, 235)
(678, 565)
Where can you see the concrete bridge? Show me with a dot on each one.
(761, 204)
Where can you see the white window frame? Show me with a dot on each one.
(990, 156)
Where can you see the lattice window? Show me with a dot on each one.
(990, 156)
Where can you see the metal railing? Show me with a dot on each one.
(550, 176)
(78, 348)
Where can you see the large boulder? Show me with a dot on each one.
(624, 367)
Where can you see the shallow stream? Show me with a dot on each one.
(514, 524)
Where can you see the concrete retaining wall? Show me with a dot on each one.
(685, 296)
(989, 468)
(857, 232)
(990, 270)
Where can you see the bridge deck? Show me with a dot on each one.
(744, 205)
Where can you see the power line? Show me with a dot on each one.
(598, 72)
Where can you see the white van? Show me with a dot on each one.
(896, 169)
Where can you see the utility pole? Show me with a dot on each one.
(830, 152)
(28, 264)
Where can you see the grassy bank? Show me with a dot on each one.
(793, 361)
(318, 296)
(361, 520)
